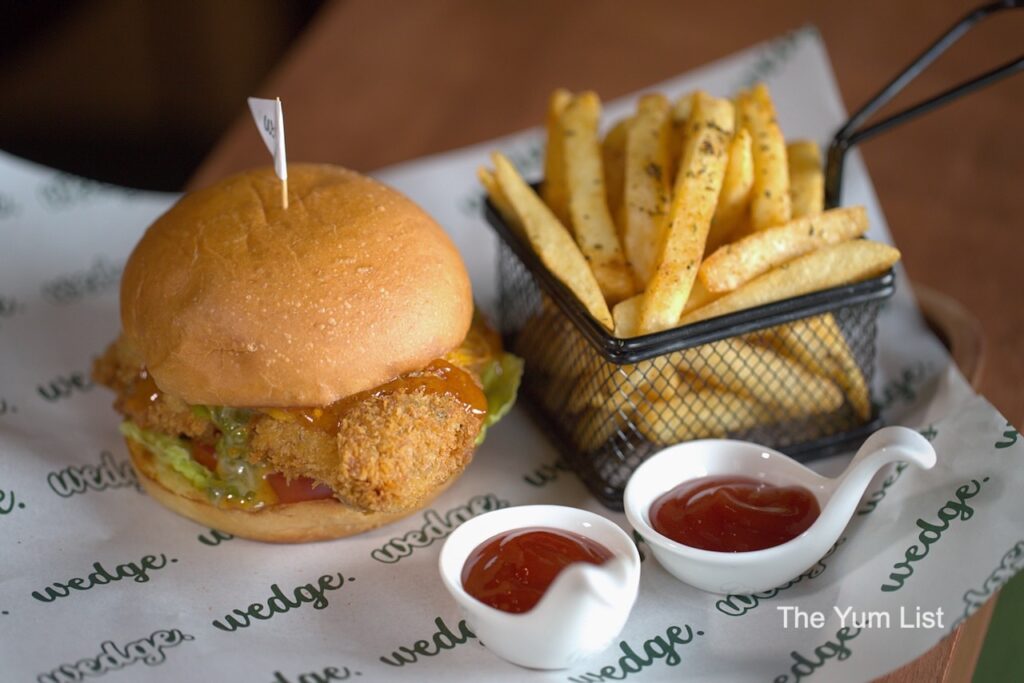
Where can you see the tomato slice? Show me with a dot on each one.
(297, 490)
(294, 491)
(204, 455)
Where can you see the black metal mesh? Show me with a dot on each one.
(798, 381)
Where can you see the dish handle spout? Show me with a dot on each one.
(887, 445)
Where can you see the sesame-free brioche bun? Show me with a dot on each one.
(233, 300)
(314, 520)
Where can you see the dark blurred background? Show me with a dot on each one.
(159, 79)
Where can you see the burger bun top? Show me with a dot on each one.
(230, 299)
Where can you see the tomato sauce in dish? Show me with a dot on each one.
(513, 570)
(733, 514)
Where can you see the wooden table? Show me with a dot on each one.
(371, 83)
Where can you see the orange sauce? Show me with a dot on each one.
(481, 346)
(141, 393)
(440, 377)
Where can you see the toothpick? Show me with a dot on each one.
(269, 119)
(284, 180)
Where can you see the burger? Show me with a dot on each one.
(305, 373)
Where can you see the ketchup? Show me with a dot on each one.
(733, 514)
(511, 571)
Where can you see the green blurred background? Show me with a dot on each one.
(1002, 658)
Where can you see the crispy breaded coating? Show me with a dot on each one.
(139, 400)
(390, 452)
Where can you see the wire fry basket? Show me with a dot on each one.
(609, 403)
(794, 375)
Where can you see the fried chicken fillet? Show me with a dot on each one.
(390, 451)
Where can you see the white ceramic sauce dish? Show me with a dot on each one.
(760, 570)
(583, 610)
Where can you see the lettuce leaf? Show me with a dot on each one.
(172, 452)
(500, 380)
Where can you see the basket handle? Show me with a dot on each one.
(852, 131)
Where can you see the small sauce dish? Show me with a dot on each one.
(759, 570)
(582, 611)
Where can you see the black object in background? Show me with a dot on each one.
(134, 93)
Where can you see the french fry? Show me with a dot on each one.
(682, 108)
(592, 224)
(831, 266)
(567, 373)
(646, 199)
(590, 375)
(555, 189)
(699, 296)
(551, 241)
(702, 412)
(821, 347)
(698, 183)
(770, 202)
(497, 195)
(724, 392)
(626, 313)
(711, 222)
(599, 426)
(734, 200)
(657, 377)
(621, 385)
(734, 264)
(610, 394)
(782, 385)
(545, 358)
(630, 388)
(806, 179)
(613, 157)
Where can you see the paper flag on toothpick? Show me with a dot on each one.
(270, 122)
